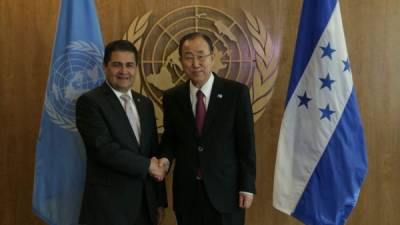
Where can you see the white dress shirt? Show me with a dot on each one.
(206, 89)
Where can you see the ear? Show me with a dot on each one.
(212, 56)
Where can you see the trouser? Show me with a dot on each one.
(204, 213)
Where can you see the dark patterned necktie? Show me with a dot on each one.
(200, 112)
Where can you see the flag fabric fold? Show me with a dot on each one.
(321, 160)
(76, 67)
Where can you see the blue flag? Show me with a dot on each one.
(321, 161)
(76, 67)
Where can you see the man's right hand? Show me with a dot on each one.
(158, 168)
(164, 163)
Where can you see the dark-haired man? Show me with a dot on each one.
(118, 128)
(209, 133)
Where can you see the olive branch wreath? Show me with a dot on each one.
(58, 119)
(266, 65)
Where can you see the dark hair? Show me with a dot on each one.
(195, 35)
(119, 45)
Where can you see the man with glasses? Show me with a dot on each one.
(208, 131)
(118, 128)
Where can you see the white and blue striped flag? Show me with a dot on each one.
(76, 67)
(321, 161)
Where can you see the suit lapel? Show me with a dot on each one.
(115, 103)
(143, 117)
(118, 110)
(214, 104)
(186, 107)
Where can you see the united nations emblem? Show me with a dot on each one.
(248, 56)
(76, 71)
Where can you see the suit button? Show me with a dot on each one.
(200, 149)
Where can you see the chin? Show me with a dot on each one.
(198, 76)
(123, 88)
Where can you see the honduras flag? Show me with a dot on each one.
(321, 161)
(76, 67)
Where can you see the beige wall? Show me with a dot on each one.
(372, 30)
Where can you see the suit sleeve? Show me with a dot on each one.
(245, 142)
(100, 143)
(168, 138)
(161, 193)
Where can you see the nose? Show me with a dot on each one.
(123, 69)
(196, 62)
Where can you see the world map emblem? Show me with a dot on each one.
(246, 54)
(77, 70)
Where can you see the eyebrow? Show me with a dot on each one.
(123, 62)
(191, 53)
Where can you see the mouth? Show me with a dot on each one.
(123, 77)
(197, 71)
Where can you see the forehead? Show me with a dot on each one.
(125, 56)
(197, 44)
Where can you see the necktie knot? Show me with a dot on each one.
(125, 97)
(199, 94)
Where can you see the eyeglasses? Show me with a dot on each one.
(199, 58)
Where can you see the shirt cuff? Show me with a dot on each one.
(246, 193)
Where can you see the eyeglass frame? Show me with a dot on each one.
(199, 58)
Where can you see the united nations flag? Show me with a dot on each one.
(76, 67)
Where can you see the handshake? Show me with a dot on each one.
(159, 168)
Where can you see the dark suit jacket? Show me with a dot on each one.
(117, 167)
(225, 152)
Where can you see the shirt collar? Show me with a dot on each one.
(118, 93)
(206, 88)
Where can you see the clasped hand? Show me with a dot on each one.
(158, 168)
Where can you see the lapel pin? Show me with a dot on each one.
(219, 96)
